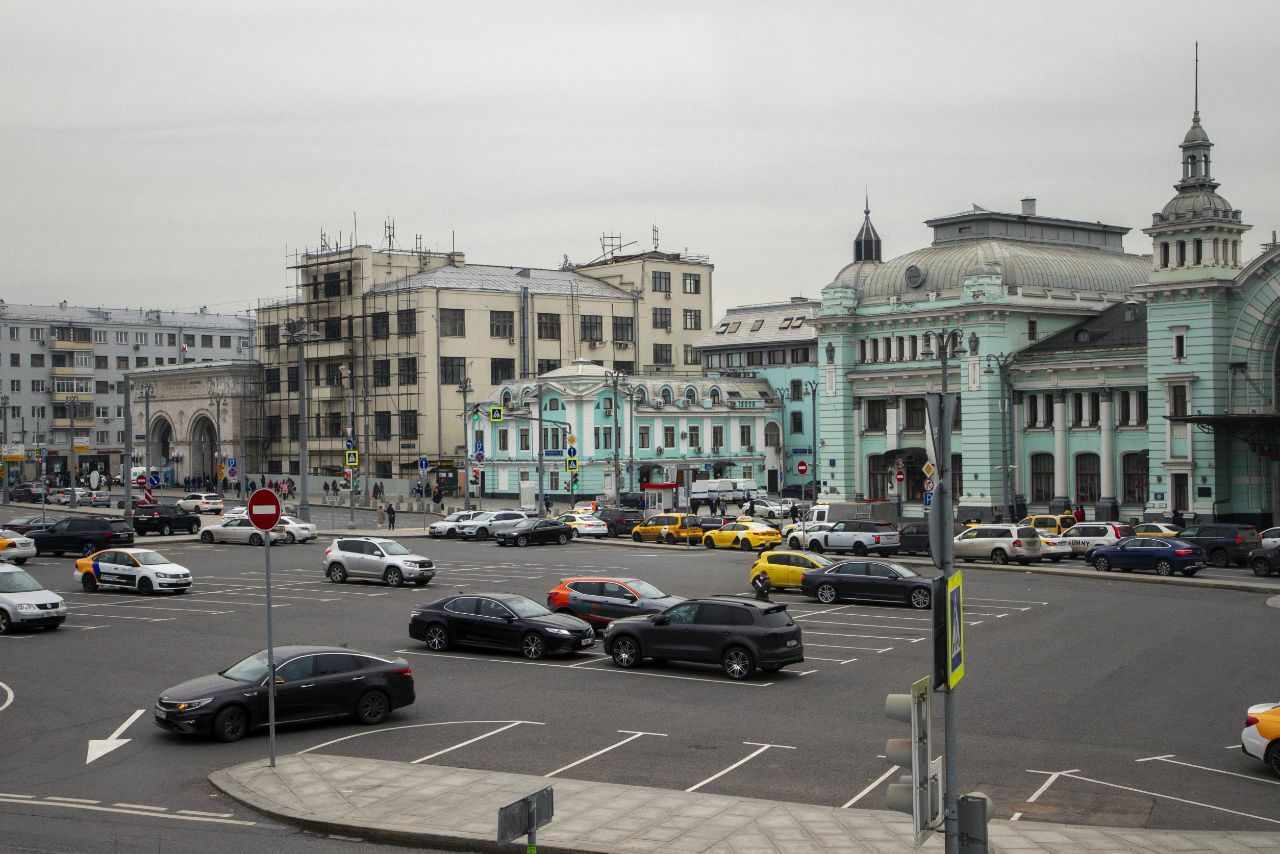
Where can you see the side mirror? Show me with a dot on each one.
(661, 620)
(510, 618)
(629, 597)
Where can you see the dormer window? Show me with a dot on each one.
(785, 324)
(735, 326)
(1082, 336)
(757, 324)
(722, 328)
(666, 396)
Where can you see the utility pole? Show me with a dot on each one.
(1003, 363)
(811, 389)
(464, 389)
(126, 476)
(367, 476)
(146, 390)
(217, 393)
(617, 378)
(351, 493)
(298, 331)
(4, 441)
(243, 462)
(537, 445)
(73, 401)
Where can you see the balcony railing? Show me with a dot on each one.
(58, 344)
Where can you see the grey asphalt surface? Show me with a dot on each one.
(1064, 675)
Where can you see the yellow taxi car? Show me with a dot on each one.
(1049, 524)
(670, 528)
(1155, 529)
(785, 568)
(742, 535)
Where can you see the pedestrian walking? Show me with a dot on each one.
(795, 513)
(326, 487)
(186, 483)
(546, 503)
(382, 516)
(391, 517)
(1079, 514)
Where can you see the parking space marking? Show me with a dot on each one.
(614, 670)
(869, 789)
(1073, 776)
(8, 694)
(395, 728)
(1018, 601)
(875, 625)
(632, 737)
(859, 648)
(83, 605)
(473, 740)
(836, 660)
(1169, 759)
(761, 748)
(873, 637)
(144, 807)
(1053, 775)
(94, 806)
(123, 617)
(72, 800)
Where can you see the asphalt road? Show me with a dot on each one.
(1089, 677)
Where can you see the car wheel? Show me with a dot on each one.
(255, 539)
(145, 587)
(1261, 568)
(290, 538)
(372, 708)
(744, 544)
(562, 539)
(859, 549)
(1102, 564)
(708, 542)
(816, 547)
(625, 653)
(999, 556)
(206, 537)
(337, 573)
(1219, 557)
(230, 724)
(1272, 758)
(637, 538)
(394, 577)
(522, 540)
(6, 623)
(194, 527)
(88, 582)
(737, 663)
(826, 594)
(19, 561)
(533, 647)
(575, 533)
(920, 598)
(793, 543)
(451, 533)
(670, 540)
(166, 529)
(87, 550)
(1163, 567)
(437, 639)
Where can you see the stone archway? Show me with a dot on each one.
(202, 461)
(160, 441)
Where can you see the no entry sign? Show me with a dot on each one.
(140, 481)
(264, 509)
(802, 467)
(900, 476)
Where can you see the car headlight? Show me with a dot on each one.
(26, 606)
(192, 705)
(562, 632)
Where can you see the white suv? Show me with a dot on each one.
(1084, 537)
(859, 537)
(449, 525)
(1001, 543)
(483, 525)
(201, 502)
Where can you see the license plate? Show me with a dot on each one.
(792, 642)
(588, 641)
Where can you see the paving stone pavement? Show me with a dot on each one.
(456, 809)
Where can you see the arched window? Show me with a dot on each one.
(553, 405)
(691, 394)
(1087, 478)
(666, 395)
(640, 395)
(1134, 468)
(877, 478)
(715, 396)
(506, 399)
(1041, 478)
(772, 435)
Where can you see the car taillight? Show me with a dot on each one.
(1183, 552)
(1239, 539)
(877, 539)
(1017, 543)
(404, 671)
(326, 552)
(1251, 720)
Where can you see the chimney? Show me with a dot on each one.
(1028, 207)
(457, 259)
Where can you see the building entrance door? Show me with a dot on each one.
(1180, 499)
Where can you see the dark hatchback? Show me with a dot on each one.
(312, 683)
(740, 635)
(27, 524)
(1223, 543)
(1164, 555)
(82, 535)
(534, 532)
(1265, 562)
(162, 519)
(913, 537)
(499, 621)
(620, 519)
(876, 581)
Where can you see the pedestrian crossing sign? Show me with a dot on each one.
(353, 459)
(495, 414)
(571, 464)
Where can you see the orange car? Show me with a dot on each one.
(600, 600)
(1261, 736)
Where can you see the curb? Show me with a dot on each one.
(1210, 583)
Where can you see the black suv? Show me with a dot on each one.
(1224, 543)
(739, 634)
(162, 518)
(620, 519)
(82, 535)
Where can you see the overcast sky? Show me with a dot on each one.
(170, 154)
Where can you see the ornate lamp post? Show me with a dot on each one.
(73, 401)
(1002, 363)
(465, 389)
(618, 379)
(297, 332)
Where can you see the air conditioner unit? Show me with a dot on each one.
(621, 345)
(137, 346)
(750, 448)
(697, 450)
(683, 403)
(657, 403)
(666, 295)
(659, 451)
(511, 340)
(593, 344)
(684, 435)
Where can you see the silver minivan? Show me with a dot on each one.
(1000, 544)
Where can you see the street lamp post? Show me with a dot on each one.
(4, 440)
(217, 394)
(73, 401)
(536, 446)
(298, 331)
(1003, 363)
(811, 391)
(365, 448)
(464, 389)
(145, 391)
(619, 380)
(351, 432)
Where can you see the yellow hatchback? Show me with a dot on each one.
(1052, 525)
(742, 535)
(785, 568)
(668, 528)
(1156, 529)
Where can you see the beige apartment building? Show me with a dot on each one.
(396, 334)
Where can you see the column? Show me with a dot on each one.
(1107, 508)
(892, 425)
(856, 469)
(1019, 478)
(1061, 500)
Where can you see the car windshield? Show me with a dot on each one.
(456, 517)
(646, 590)
(525, 607)
(481, 517)
(525, 524)
(252, 669)
(150, 558)
(904, 571)
(819, 560)
(18, 582)
(391, 547)
(9, 535)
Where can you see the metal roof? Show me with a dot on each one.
(488, 277)
(761, 325)
(1122, 325)
(61, 313)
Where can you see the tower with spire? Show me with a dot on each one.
(866, 246)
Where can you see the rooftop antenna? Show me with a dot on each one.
(1196, 96)
(389, 234)
(655, 238)
(866, 200)
(324, 241)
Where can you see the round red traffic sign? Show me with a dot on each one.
(802, 467)
(264, 509)
(900, 476)
(140, 480)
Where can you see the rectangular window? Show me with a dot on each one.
(1095, 408)
(333, 375)
(690, 355)
(661, 282)
(453, 369)
(407, 370)
(662, 318)
(14, 333)
(877, 477)
(693, 283)
(797, 422)
(145, 338)
(291, 378)
(591, 327)
(382, 425)
(662, 354)
(406, 322)
(408, 424)
(122, 363)
(744, 434)
(141, 362)
(502, 441)
(332, 328)
(205, 341)
(187, 340)
(99, 363)
(99, 336)
(642, 437)
(272, 378)
(1087, 478)
(1142, 406)
(695, 436)
(453, 323)
(692, 318)
(624, 329)
(877, 415)
(15, 360)
(502, 324)
(524, 438)
(548, 327)
(799, 355)
(333, 284)
(1041, 478)
(1126, 410)
(626, 367)
(1164, 255)
(1032, 332)
(914, 417)
(381, 372)
(36, 333)
(669, 436)
(1179, 346)
(1178, 400)
(38, 386)
(1134, 467)
(777, 357)
(501, 370)
(1077, 409)
(293, 428)
(545, 365)
(100, 387)
(717, 436)
(380, 325)
(224, 342)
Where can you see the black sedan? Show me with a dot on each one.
(1265, 562)
(27, 524)
(1165, 555)
(877, 581)
(528, 531)
(312, 682)
(499, 621)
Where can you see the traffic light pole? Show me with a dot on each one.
(464, 388)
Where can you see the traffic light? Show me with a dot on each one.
(920, 794)
(475, 477)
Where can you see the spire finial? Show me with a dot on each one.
(866, 201)
(1196, 91)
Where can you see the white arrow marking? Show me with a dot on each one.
(99, 747)
(8, 696)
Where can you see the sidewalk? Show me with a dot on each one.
(457, 808)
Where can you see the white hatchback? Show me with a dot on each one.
(201, 502)
(131, 569)
(16, 547)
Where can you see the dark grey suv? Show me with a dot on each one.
(738, 634)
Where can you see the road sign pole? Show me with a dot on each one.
(271, 666)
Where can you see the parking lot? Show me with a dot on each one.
(1089, 701)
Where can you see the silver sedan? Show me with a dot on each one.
(238, 531)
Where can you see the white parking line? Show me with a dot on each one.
(72, 800)
(752, 755)
(471, 741)
(83, 605)
(143, 807)
(403, 726)
(869, 789)
(616, 670)
(206, 814)
(1074, 776)
(876, 649)
(1169, 759)
(873, 637)
(836, 660)
(69, 803)
(1018, 601)
(123, 617)
(875, 625)
(634, 735)
(1053, 775)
